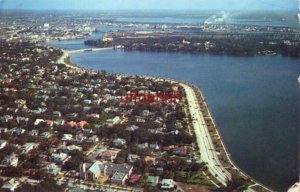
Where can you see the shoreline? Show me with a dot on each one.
(63, 57)
(66, 55)
(194, 89)
(234, 166)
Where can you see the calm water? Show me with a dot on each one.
(254, 101)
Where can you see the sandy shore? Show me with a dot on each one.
(62, 59)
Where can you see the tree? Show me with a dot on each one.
(13, 172)
(236, 184)
(77, 157)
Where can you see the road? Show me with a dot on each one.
(204, 141)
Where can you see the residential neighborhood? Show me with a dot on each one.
(61, 124)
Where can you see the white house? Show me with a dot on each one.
(33, 133)
(3, 143)
(38, 121)
(167, 184)
(133, 158)
(10, 185)
(93, 139)
(60, 157)
(67, 137)
(10, 161)
(119, 142)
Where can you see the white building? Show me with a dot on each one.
(3, 143)
(10, 161)
(10, 185)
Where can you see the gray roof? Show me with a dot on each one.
(118, 176)
(123, 168)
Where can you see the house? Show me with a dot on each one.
(53, 169)
(151, 160)
(38, 121)
(10, 161)
(133, 158)
(182, 151)
(119, 142)
(20, 119)
(57, 114)
(113, 121)
(167, 184)
(96, 102)
(68, 149)
(87, 131)
(159, 171)
(16, 131)
(49, 123)
(119, 178)
(143, 145)
(72, 115)
(154, 146)
(112, 168)
(6, 118)
(132, 128)
(10, 185)
(79, 138)
(59, 122)
(146, 113)
(93, 139)
(152, 180)
(60, 157)
(46, 135)
(72, 124)
(134, 178)
(108, 155)
(81, 124)
(33, 133)
(3, 143)
(92, 171)
(93, 115)
(87, 101)
(3, 130)
(28, 147)
(140, 120)
(67, 137)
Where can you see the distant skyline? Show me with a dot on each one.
(150, 4)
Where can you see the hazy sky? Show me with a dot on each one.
(150, 4)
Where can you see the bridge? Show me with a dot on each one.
(66, 53)
(87, 49)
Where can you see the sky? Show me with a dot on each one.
(150, 4)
